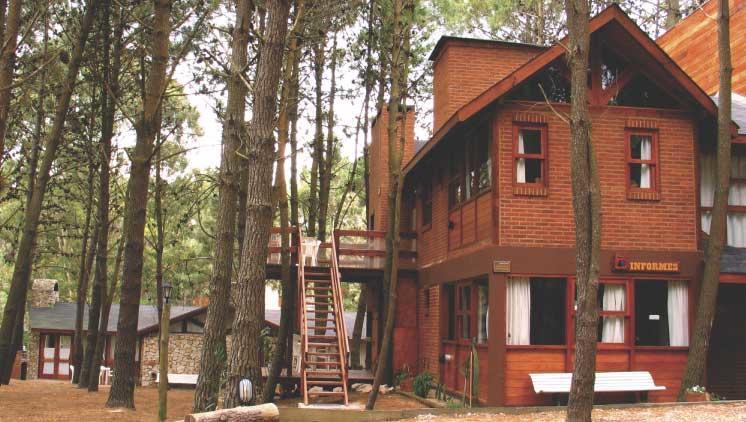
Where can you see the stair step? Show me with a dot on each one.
(318, 281)
(320, 319)
(320, 303)
(317, 296)
(326, 393)
(324, 382)
(316, 337)
(314, 363)
(322, 345)
(323, 374)
(336, 354)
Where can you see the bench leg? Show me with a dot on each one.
(644, 396)
(557, 399)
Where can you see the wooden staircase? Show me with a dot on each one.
(324, 371)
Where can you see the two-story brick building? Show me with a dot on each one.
(489, 196)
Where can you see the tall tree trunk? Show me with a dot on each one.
(9, 37)
(287, 318)
(105, 309)
(82, 292)
(159, 223)
(109, 90)
(586, 201)
(244, 361)
(326, 164)
(694, 372)
(212, 361)
(148, 125)
(293, 118)
(317, 151)
(15, 306)
(403, 15)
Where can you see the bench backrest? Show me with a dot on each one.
(605, 382)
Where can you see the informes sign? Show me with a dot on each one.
(622, 264)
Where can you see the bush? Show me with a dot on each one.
(421, 384)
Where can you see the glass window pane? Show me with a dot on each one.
(530, 141)
(651, 313)
(533, 170)
(64, 368)
(465, 298)
(548, 311)
(48, 368)
(482, 312)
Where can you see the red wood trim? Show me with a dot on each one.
(729, 278)
(652, 193)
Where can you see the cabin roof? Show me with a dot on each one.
(733, 260)
(612, 14)
(61, 317)
(738, 111)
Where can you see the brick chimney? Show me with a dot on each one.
(463, 68)
(45, 293)
(378, 182)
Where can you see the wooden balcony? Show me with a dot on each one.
(356, 249)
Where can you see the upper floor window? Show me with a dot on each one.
(736, 220)
(530, 154)
(642, 160)
(470, 169)
(427, 203)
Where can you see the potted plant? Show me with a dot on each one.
(697, 394)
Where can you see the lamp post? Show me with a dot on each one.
(163, 358)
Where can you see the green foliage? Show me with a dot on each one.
(422, 384)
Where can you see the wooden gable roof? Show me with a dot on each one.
(613, 22)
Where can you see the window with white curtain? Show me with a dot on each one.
(736, 220)
(530, 154)
(661, 313)
(613, 299)
(642, 160)
(536, 311)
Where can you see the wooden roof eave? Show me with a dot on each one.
(612, 13)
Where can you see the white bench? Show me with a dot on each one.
(179, 379)
(606, 382)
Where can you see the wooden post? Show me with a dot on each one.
(163, 363)
(264, 413)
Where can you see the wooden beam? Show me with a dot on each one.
(264, 412)
(623, 79)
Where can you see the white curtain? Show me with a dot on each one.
(646, 153)
(483, 314)
(678, 313)
(613, 327)
(518, 320)
(521, 164)
(706, 181)
(737, 196)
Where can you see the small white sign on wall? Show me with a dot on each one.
(654, 317)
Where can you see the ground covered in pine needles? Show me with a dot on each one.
(714, 412)
(46, 400)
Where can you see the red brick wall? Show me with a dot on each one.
(699, 59)
(668, 224)
(462, 70)
(428, 322)
(378, 183)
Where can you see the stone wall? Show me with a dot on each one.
(33, 356)
(183, 355)
(44, 293)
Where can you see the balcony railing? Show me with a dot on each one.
(358, 249)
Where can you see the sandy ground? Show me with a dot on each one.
(44, 400)
(731, 412)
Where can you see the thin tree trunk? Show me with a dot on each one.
(9, 37)
(15, 306)
(281, 197)
(325, 170)
(317, 154)
(212, 361)
(403, 11)
(105, 309)
(159, 222)
(357, 331)
(83, 278)
(244, 361)
(123, 387)
(586, 198)
(673, 13)
(696, 362)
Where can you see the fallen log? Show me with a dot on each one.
(262, 413)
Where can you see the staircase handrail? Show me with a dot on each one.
(342, 339)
